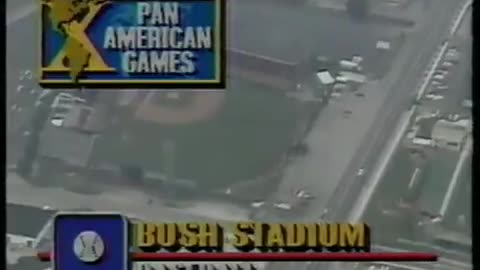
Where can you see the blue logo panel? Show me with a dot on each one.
(90, 242)
(132, 44)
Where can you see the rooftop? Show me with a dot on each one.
(447, 130)
(296, 33)
(425, 127)
(26, 220)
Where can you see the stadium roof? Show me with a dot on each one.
(296, 33)
(451, 131)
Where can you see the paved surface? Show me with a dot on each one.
(129, 202)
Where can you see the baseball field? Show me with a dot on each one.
(244, 136)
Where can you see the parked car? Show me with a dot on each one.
(302, 194)
(283, 206)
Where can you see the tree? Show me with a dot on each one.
(133, 173)
(25, 164)
(358, 9)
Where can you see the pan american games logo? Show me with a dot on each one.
(127, 43)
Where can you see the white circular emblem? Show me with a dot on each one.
(88, 246)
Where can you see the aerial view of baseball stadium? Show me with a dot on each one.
(335, 111)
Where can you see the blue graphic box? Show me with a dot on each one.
(107, 72)
(112, 228)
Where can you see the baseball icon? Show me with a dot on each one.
(88, 246)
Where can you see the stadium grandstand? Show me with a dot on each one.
(261, 69)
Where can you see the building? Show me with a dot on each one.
(72, 112)
(26, 221)
(353, 77)
(69, 146)
(70, 132)
(325, 78)
(278, 42)
(263, 69)
(24, 226)
(324, 83)
(435, 132)
(423, 131)
(450, 135)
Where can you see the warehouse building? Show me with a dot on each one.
(450, 135)
(280, 42)
(24, 225)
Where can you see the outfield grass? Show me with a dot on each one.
(247, 138)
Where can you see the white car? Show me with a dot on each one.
(434, 97)
(257, 204)
(360, 172)
(441, 87)
(283, 206)
(452, 52)
(302, 194)
(447, 64)
(441, 72)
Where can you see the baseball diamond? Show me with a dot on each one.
(217, 142)
(200, 106)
